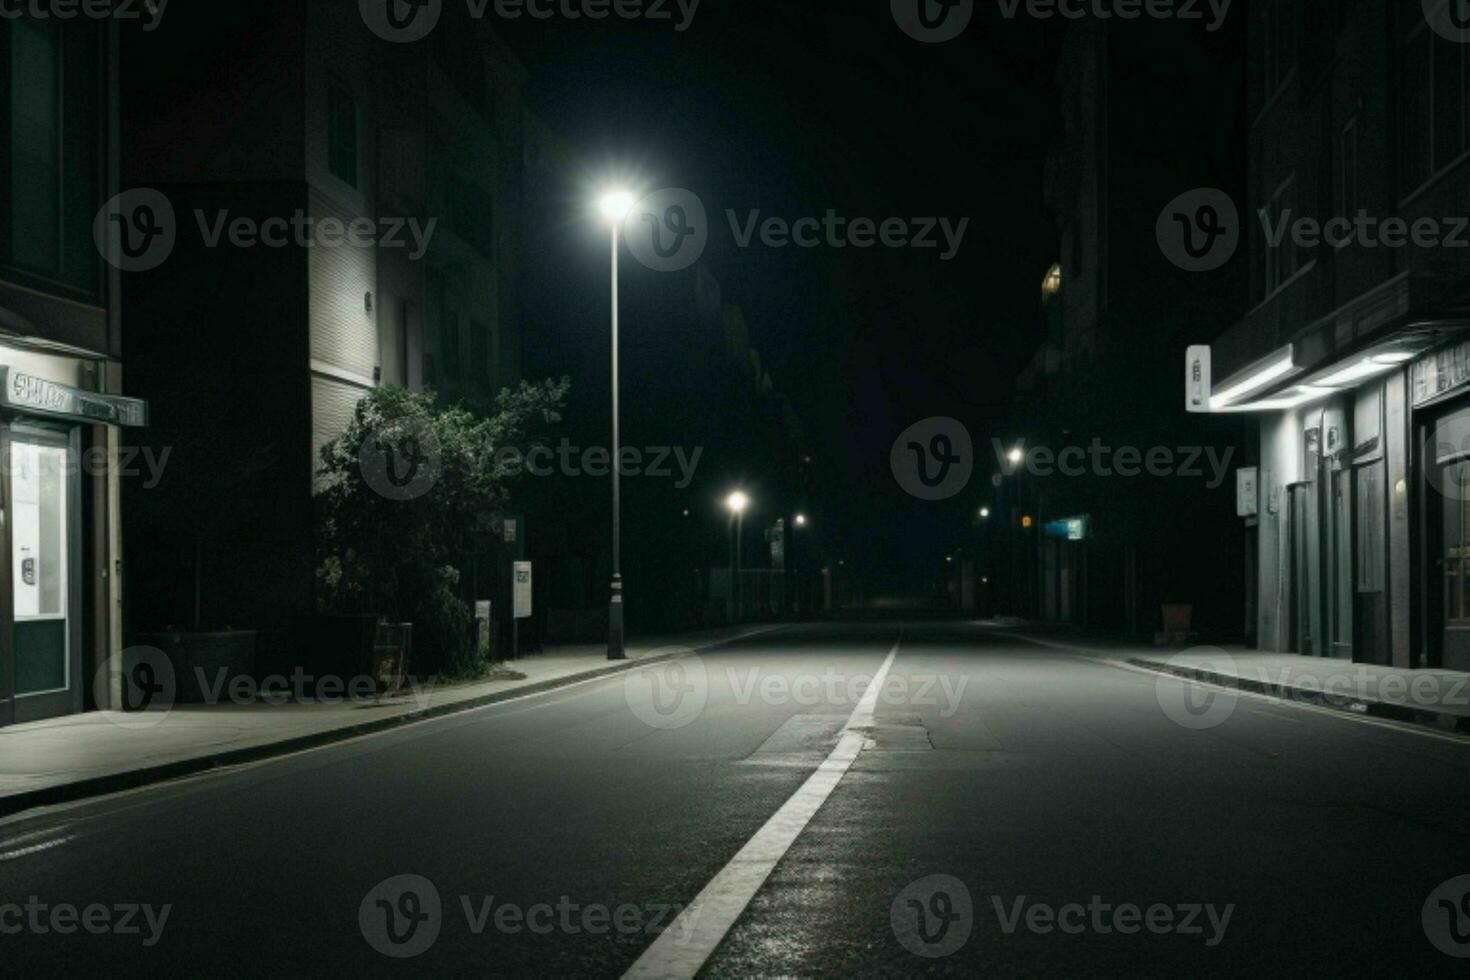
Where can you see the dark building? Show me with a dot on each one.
(1350, 358)
(1086, 526)
(66, 437)
(258, 348)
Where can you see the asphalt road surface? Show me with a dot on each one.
(997, 807)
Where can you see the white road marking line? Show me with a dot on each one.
(682, 948)
(34, 849)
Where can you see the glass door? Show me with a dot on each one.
(1455, 563)
(45, 657)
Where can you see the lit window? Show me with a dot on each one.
(1052, 283)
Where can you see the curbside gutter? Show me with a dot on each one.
(1443, 720)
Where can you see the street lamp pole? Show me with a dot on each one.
(615, 207)
(736, 502)
(615, 647)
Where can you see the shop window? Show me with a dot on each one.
(1281, 256)
(1433, 111)
(1457, 548)
(342, 134)
(50, 141)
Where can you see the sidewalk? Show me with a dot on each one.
(78, 756)
(1440, 698)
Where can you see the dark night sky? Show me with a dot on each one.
(792, 109)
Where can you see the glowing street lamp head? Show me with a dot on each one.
(984, 512)
(801, 520)
(615, 205)
(737, 502)
(1016, 455)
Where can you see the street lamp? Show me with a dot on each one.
(1016, 455)
(736, 503)
(615, 206)
(984, 513)
(800, 520)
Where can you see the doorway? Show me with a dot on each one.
(41, 650)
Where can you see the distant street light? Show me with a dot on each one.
(1016, 455)
(984, 512)
(736, 503)
(615, 206)
(800, 520)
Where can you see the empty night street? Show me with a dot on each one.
(998, 802)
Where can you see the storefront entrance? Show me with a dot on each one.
(1448, 520)
(41, 587)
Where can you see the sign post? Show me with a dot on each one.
(521, 605)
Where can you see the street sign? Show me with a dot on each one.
(522, 590)
(1197, 378)
(1247, 501)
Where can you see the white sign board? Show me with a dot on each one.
(1247, 498)
(523, 590)
(1197, 378)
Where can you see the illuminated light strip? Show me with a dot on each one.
(1260, 379)
(1365, 368)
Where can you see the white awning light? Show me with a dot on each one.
(1366, 368)
(1254, 378)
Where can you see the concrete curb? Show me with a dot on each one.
(1442, 720)
(82, 789)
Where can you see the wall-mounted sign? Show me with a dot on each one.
(1247, 499)
(509, 527)
(30, 393)
(522, 590)
(1068, 528)
(1434, 374)
(1197, 378)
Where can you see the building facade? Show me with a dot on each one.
(1096, 542)
(1351, 359)
(259, 348)
(64, 424)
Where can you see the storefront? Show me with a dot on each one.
(1360, 510)
(1439, 386)
(59, 579)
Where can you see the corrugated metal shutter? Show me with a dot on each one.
(332, 405)
(343, 333)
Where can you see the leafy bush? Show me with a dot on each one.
(393, 548)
